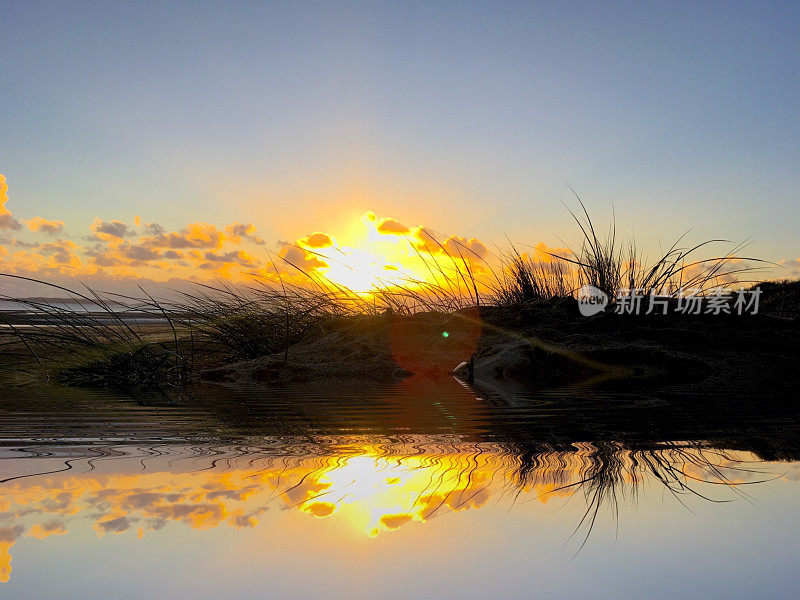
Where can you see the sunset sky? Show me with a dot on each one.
(151, 142)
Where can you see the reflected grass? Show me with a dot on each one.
(374, 488)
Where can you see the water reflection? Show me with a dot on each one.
(373, 488)
(376, 461)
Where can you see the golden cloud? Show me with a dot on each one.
(395, 521)
(61, 252)
(459, 249)
(42, 225)
(237, 231)
(7, 221)
(461, 246)
(139, 252)
(195, 235)
(316, 240)
(41, 531)
(301, 258)
(392, 226)
(239, 257)
(367, 489)
(792, 268)
(8, 536)
(544, 253)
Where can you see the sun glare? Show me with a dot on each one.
(359, 270)
(371, 259)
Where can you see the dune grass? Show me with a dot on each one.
(109, 339)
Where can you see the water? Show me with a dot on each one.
(415, 489)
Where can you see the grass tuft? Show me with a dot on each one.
(108, 339)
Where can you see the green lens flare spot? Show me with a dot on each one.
(445, 334)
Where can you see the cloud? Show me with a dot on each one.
(237, 231)
(151, 228)
(138, 252)
(195, 235)
(544, 253)
(102, 257)
(319, 509)
(11, 534)
(790, 270)
(392, 227)
(468, 248)
(316, 240)
(18, 243)
(8, 535)
(109, 229)
(385, 225)
(395, 521)
(42, 225)
(43, 530)
(426, 240)
(7, 221)
(301, 258)
(239, 257)
(63, 252)
(118, 525)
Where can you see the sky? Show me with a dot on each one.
(215, 134)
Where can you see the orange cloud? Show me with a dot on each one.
(195, 235)
(42, 225)
(8, 535)
(300, 258)
(7, 221)
(392, 226)
(472, 247)
(316, 240)
(41, 531)
(61, 252)
(237, 231)
(460, 249)
(791, 268)
(319, 509)
(138, 252)
(395, 521)
(239, 257)
(544, 253)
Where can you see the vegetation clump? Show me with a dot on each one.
(111, 340)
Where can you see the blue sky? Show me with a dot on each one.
(466, 117)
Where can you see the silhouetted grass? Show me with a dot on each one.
(617, 268)
(526, 279)
(95, 339)
(108, 339)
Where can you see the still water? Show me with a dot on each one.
(416, 489)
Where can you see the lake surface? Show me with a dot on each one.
(414, 489)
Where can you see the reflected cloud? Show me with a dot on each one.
(375, 489)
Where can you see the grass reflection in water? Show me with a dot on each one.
(374, 488)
